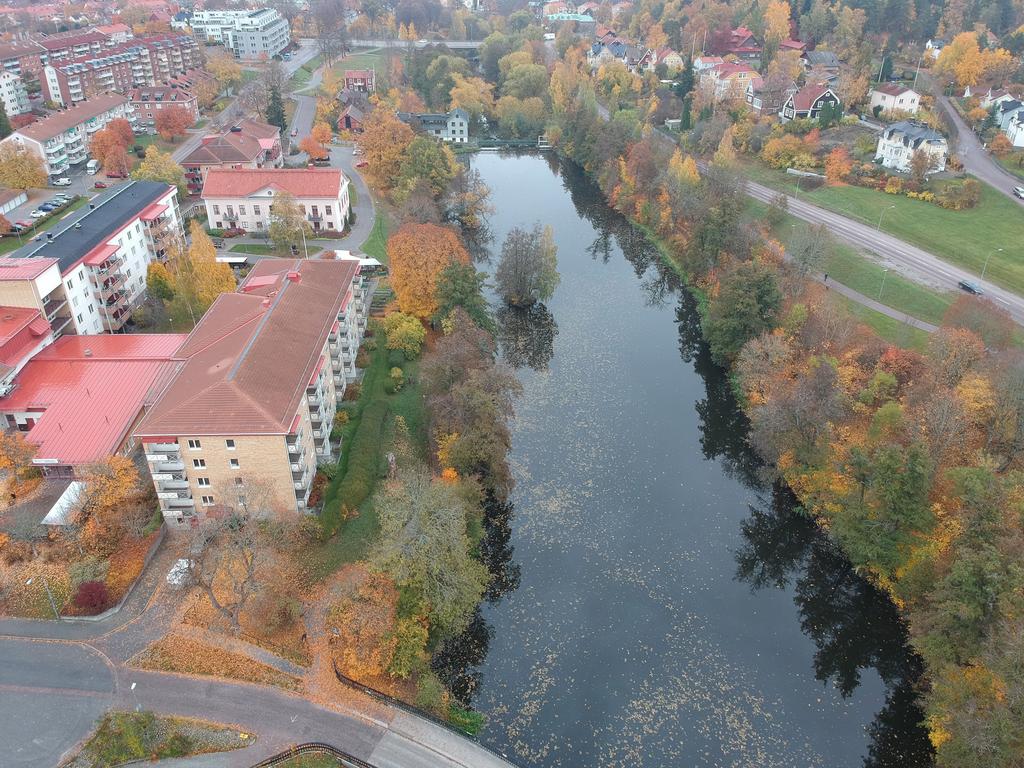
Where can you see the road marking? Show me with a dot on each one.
(33, 689)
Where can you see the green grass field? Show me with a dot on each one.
(376, 244)
(891, 330)
(1013, 162)
(367, 60)
(965, 238)
(258, 249)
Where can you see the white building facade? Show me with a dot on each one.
(13, 94)
(898, 143)
(249, 34)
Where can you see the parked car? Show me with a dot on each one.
(24, 224)
(295, 132)
(37, 214)
(16, 227)
(1019, 192)
(46, 207)
(972, 288)
(63, 181)
(362, 164)
(100, 185)
(116, 175)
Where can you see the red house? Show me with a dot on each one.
(362, 80)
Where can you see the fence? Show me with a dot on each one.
(314, 748)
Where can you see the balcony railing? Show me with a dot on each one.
(52, 305)
(164, 449)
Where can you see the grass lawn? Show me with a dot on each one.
(1013, 162)
(863, 274)
(900, 334)
(965, 238)
(366, 60)
(258, 249)
(310, 761)
(161, 144)
(376, 244)
(142, 736)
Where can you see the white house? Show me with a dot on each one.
(452, 127)
(995, 96)
(934, 47)
(889, 98)
(244, 198)
(898, 143)
(1015, 130)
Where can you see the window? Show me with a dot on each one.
(216, 210)
(203, 482)
(207, 501)
(241, 210)
(256, 210)
(199, 463)
(70, 283)
(229, 444)
(241, 499)
(195, 445)
(239, 481)
(233, 463)
(327, 210)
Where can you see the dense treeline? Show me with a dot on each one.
(912, 461)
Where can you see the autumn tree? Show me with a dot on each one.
(16, 455)
(225, 70)
(462, 286)
(384, 143)
(20, 168)
(198, 278)
(473, 94)
(102, 508)
(109, 149)
(173, 122)
(423, 542)
(404, 333)
(993, 324)
(429, 160)
(810, 247)
(159, 281)
(417, 254)
(289, 227)
(362, 621)
(746, 306)
(313, 148)
(161, 166)
(528, 270)
(921, 164)
(838, 165)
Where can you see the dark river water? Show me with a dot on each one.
(655, 602)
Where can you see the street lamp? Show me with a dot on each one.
(885, 273)
(881, 215)
(985, 268)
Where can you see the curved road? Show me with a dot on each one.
(57, 678)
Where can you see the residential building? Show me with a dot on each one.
(118, 33)
(22, 57)
(248, 416)
(1014, 130)
(767, 98)
(244, 198)
(996, 96)
(102, 253)
(149, 101)
(727, 81)
(740, 43)
(247, 144)
(181, 21)
(822, 65)
(351, 119)
(248, 34)
(934, 47)
(672, 60)
(362, 80)
(35, 284)
(13, 94)
(452, 127)
(1006, 111)
(808, 102)
(893, 98)
(62, 139)
(147, 61)
(703, 63)
(78, 399)
(24, 333)
(898, 143)
(582, 24)
(72, 45)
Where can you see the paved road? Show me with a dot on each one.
(972, 154)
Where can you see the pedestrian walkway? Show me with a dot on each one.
(877, 306)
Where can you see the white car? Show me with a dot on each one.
(63, 181)
(1019, 192)
(37, 214)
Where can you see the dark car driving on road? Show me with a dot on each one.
(972, 288)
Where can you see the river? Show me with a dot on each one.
(655, 601)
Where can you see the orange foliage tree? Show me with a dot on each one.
(171, 123)
(838, 165)
(418, 253)
(313, 148)
(363, 623)
(109, 148)
(384, 143)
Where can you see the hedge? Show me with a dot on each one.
(362, 470)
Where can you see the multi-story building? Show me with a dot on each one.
(13, 94)
(35, 284)
(102, 253)
(147, 61)
(247, 417)
(247, 144)
(452, 127)
(362, 80)
(898, 144)
(148, 102)
(248, 34)
(893, 98)
(67, 46)
(118, 33)
(62, 139)
(727, 81)
(22, 57)
(243, 199)
(77, 399)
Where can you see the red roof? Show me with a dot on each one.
(21, 330)
(89, 391)
(99, 254)
(23, 269)
(301, 182)
(804, 99)
(152, 211)
(892, 89)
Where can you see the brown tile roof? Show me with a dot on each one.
(804, 99)
(14, 50)
(59, 42)
(57, 123)
(892, 89)
(248, 362)
(301, 182)
(258, 129)
(230, 148)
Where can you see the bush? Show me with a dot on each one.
(362, 469)
(431, 694)
(404, 333)
(91, 597)
(215, 232)
(390, 387)
(464, 719)
(89, 569)
(362, 358)
(396, 358)
(351, 392)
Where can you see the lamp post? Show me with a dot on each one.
(918, 70)
(879, 226)
(885, 273)
(985, 268)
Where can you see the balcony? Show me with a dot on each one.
(110, 290)
(171, 465)
(166, 450)
(93, 127)
(53, 304)
(172, 485)
(59, 324)
(180, 502)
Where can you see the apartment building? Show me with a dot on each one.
(147, 61)
(102, 253)
(244, 198)
(68, 46)
(35, 285)
(23, 57)
(247, 144)
(118, 33)
(149, 101)
(248, 416)
(62, 139)
(13, 94)
(248, 34)
(78, 399)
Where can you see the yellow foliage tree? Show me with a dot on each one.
(417, 254)
(776, 22)
(726, 153)
(683, 169)
(21, 169)
(384, 143)
(198, 278)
